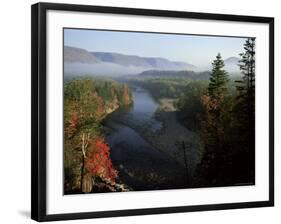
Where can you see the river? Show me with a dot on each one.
(140, 165)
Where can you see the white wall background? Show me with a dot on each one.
(15, 110)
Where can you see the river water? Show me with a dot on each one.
(140, 165)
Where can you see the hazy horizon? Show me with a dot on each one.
(194, 49)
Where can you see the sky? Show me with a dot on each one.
(197, 50)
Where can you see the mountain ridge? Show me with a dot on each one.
(139, 61)
(79, 55)
(78, 61)
(73, 54)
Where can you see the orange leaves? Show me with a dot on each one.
(126, 96)
(98, 161)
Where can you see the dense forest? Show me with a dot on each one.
(178, 74)
(225, 120)
(221, 110)
(161, 87)
(87, 163)
(216, 106)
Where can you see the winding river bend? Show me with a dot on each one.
(141, 166)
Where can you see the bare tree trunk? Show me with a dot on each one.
(84, 146)
(82, 173)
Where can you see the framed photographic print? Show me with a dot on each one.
(139, 111)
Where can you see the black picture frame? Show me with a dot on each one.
(38, 108)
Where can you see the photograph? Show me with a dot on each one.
(157, 111)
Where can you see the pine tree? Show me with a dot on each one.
(218, 79)
(246, 86)
(245, 102)
(244, 111)
(213, 124)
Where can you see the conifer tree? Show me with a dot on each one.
(246, 86)
(218, 79)
(244, 111)
(213, 124)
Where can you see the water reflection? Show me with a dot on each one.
(141, 166)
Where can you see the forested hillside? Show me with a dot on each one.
(223, 113)
(220, 109)
(87, 163)
(184, 129)
(176, 74)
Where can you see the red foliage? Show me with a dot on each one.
(98, 161)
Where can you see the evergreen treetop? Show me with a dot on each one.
(219, 78)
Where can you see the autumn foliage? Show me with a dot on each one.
(86, 155)
(98, 161)
(227, 125)
(72, 125)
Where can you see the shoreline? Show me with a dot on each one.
(170, 140)
(170, 137)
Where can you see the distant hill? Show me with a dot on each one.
(145, 62)
(77, 55)
(186, 74)
(231, 65)
(78, 61)
(232, 60)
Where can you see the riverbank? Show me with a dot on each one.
(140, 164)
(174, 138)
(87, 164)
(170, 136)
